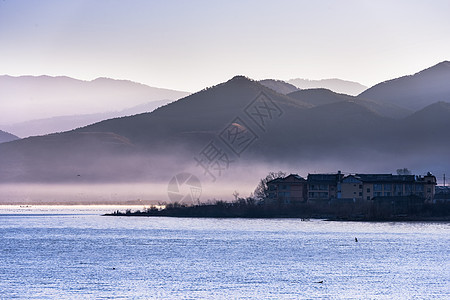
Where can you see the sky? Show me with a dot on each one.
(190, 45)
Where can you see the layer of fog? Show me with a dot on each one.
(144, 193)
(241, 177)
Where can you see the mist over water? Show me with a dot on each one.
(147, 193)
(242, 176)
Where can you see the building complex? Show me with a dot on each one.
(353, 187)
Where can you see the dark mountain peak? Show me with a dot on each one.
(334, 84)
(415, 91)
(236, 81)
(315, 91)
(198, 115)
(279, 86)
(319, 96)
(431, 121)
(240, 78)
(7, 137)
(445, 63)
(441, 105)
(233, 94)
(442, 67)
(436, 110)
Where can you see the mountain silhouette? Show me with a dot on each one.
(431, 123)
(131, 147)
(66, 123)
(7, 137)
(320, 96)
(279, 86)
(200, 115)
(317, 97)
(306, 129)
(416, 91)
(335, 85)
(27, 98)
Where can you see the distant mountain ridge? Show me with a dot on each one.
(132, 147)
(415, 91)
(26, 98)
(7, 137)
(66, 123)
(279, 86)
(304, 128)
(435, 115)
(336, 85)
(317, 97)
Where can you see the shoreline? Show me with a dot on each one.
(419, 219)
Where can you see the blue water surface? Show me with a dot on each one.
(78, 254)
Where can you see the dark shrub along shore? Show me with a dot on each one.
(250, 208)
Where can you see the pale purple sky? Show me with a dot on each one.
(189, 45)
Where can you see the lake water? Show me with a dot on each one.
(75, 253)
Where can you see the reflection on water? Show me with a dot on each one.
(73, 252)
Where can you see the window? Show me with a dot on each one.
(318, 194)
(368, 197)
(360, 194)
(360, 186)
(323, 187)
(398, 189)
(387, 187)
(387, 194)
(377, 194)
(408, 189)
(377, 187)
(368, 190)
